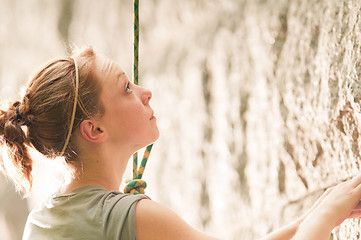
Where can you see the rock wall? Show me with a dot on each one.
(257, 100)
(267, 114)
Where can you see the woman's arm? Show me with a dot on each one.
(331, 209)
(284, 233)
(287, 232)
(156, 222)
(341, 202)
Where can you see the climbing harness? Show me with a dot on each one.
(137, 185)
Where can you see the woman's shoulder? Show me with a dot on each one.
(90, 207)
(92, 201)
(95, 195)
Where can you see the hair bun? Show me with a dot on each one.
(22, 111)
(12, 125)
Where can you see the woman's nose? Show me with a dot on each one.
(146, 96)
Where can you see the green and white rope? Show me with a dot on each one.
(136, 42)
(137, 185)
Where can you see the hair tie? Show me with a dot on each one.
(74, 106)
(18, 115)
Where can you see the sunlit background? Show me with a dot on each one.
(257, 101)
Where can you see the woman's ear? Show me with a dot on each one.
(92, 132)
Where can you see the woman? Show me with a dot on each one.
(85, 109)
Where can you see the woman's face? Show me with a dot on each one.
(128, 117)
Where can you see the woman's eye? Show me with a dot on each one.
(127, 88)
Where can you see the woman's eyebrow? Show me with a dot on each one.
(121, 74)
(117, 79)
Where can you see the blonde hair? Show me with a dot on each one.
(45, 111)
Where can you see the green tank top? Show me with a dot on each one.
(89, 212)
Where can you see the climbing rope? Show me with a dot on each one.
(136, 42)
(137, 185)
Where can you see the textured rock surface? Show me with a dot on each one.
(268, 115)
(257, 101)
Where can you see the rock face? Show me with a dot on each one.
(257, 100)
(262, 110)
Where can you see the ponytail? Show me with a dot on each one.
(41, 121)
(17, 165)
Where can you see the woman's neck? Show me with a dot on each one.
(98, 169)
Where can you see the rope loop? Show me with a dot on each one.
(135, 186)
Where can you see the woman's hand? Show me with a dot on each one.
(333, 207)
(340, 202)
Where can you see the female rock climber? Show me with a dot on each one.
(84, 109)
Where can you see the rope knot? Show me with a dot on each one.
(135, 186)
